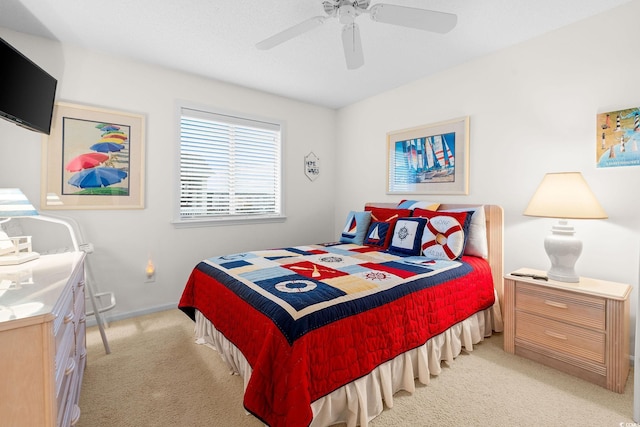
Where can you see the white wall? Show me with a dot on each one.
(532, 110)
(123, 239)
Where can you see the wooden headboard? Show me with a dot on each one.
(495, 225)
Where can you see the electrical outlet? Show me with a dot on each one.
(150, 278)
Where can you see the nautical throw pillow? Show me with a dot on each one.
(407, 236)
(464, 218)
(379, 235)
(477, 244)
(443, 238)
(356, 227)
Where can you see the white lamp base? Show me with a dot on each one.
(563, 249)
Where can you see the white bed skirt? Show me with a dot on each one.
(360, 401)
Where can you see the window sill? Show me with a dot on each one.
(211, 222)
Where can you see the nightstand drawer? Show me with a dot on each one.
(574, 341)
(579, 309)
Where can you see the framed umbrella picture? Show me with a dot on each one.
(93, 159)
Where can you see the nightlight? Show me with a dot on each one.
(564, 195)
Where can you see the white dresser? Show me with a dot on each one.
(42, 341)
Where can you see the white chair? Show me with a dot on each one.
(20, 227)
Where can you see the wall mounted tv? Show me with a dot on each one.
(27, 92)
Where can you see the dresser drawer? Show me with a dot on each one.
(578, 309)
(65, 353)
(79, 299)
(71, 408)
(62, 399)
(582, 343)
(81, 336)
(63, 312)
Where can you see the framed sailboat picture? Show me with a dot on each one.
(429, 159)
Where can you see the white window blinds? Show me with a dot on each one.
(230, 167)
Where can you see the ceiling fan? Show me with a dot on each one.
(348, 10)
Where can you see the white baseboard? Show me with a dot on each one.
(91, 321)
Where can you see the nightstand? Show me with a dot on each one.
(579, 328)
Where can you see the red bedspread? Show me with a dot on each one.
(287, 378)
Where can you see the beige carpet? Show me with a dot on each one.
(157, 376)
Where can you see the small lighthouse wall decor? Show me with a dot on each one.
(618, 137)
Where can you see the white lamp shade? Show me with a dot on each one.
(565, 195)
(13, 203)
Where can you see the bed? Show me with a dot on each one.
(327, 333)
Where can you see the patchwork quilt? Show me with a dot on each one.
(310, 319)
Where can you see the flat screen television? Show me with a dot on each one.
(27, 92)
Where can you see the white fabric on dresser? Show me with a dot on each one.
(360, 401)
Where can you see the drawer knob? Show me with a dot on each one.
(68, 318)
(71, 366)
(555, 304)
(556, 335)
(75, 417)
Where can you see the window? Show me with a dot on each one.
(230, 167)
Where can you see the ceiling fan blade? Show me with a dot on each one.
(352, 46)
(292, 32)
(422, 19)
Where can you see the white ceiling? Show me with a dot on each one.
(216, 38)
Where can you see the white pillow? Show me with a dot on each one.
(477, 244)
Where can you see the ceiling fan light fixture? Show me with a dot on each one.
(347, 14)
(332, 7)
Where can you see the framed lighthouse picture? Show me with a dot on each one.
(618, 138)
(429, 159)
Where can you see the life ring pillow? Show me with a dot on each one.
(443, 238)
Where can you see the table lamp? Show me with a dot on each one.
(15, 250)
(564, 195)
